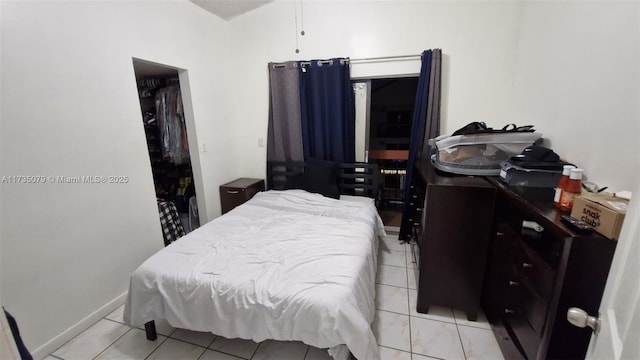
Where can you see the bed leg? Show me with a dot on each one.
(150, 329)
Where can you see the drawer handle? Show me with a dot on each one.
(532, 225)
(233, 192)
(513, 283)
(416, 224)
(526, 265)
(411, 204)
(499, 233)
(509, 311)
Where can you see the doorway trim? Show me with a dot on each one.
(192, 136)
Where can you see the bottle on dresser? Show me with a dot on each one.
(572, 189)
(566, 171)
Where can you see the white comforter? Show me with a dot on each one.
(286, 265)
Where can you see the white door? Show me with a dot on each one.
(619, 334)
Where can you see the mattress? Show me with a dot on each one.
(286, 265)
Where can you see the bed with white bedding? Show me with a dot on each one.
(286, 265)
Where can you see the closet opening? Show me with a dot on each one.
(163, 116)
(389, 114)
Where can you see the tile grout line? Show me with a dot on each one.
(157, 347)
(306, 352)
(117, 322)
(115, 341)
(398, 266)
(92, 325)
(396, 349)
(230, 354)
(204, 350)
(201, 355)
(409, 310)
(256, 350)
(395, 286)
(464, 353)
(193, 343)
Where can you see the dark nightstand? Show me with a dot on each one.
(238, 192)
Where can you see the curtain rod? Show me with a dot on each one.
(396, 57)
(349, 60)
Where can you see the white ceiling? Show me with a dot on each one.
(228, 9)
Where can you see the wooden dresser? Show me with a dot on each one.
(238, 192)
(452, 237)
(534, 277)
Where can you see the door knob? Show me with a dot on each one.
(580, 318)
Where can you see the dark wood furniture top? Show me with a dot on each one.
(359, 179)
(237, 192)
(533, 277)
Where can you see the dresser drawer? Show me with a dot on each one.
(525, 337)
(415, 214)
(508, 342)
(534, 271)
(533, 309)
(238, 192)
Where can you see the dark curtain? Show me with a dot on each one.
(13, 325)
(327, 110)
(425, 125)
(284, 138)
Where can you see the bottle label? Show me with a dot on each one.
(566, 200)
(556, 196)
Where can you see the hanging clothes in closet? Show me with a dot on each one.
(173, 132)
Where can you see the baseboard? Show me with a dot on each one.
(79, 327)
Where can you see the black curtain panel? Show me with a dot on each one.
(284, 139)
(327, 109)
(425, 125)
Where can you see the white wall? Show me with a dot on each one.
(70, 108)
(577, 79)
(478, 41)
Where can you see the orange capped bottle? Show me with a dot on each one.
(571, 190)
(566, 170)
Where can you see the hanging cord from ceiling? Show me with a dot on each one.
(295, 16)
(301, 19)
(302, 32)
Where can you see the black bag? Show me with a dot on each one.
(481, 128)
(538, 157)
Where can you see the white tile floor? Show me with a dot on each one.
(402, 333)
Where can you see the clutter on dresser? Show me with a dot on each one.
(476, 149)
(536, 166)
(604, 212)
